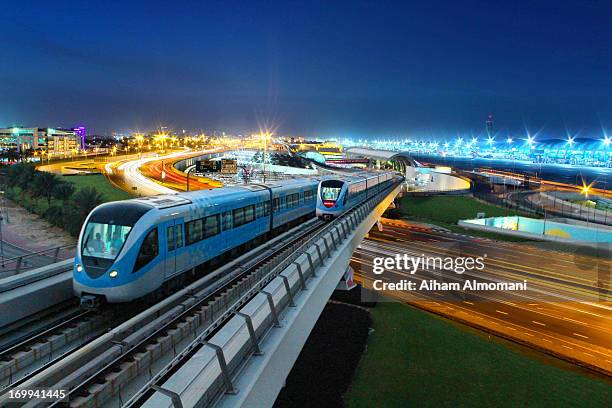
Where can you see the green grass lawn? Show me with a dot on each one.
(415, 359)
(446, 211)
(98, 181)
(110, 192)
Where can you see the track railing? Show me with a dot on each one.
(18, 264)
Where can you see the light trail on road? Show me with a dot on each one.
(549, 316)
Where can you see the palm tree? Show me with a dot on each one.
(55, 215)
(44, 184)
(20, 174)
(63, 191)
(86, 199)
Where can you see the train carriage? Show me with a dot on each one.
(131, 248)
(338, 194)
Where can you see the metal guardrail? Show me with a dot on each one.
(518, 201)
(21, 262)
(316, 250)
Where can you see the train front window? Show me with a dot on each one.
(104, 240)
(330, 190)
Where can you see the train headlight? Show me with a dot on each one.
(113, 274)
(79, 268)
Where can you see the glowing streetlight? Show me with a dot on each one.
(585, 189)
(490, 140)
(265, 135)
(570, 141)
(474, 140)
(606, 141)
(160, 138)
(509, 140)
(530, 140)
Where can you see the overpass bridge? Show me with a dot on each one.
(384, 159)
(228, 339)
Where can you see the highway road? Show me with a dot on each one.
(145, 174)
(126, 175)
(566, 310)
(175, 179)
(138, 174)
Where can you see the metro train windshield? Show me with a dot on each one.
(104, 240)
(330, 190)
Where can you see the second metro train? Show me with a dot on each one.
(336, 195)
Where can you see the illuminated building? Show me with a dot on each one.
(49, 141)
(327, 149)
(595, 152)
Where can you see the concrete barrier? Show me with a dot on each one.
(33, 291)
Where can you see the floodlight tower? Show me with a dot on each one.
(489, 126)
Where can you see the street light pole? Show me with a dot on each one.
(264, 156)
(1, 243)
(188, 173)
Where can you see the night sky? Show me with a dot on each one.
(413, 69)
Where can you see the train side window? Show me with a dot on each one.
(259, 210)
(307, 196)
(170, 238)
(227, 221)
(276, 204)
(178, 230)
(194, 231)
(266, 208)
(249, 213)
(148, 250)
(290, 200)
(238, 217)
(211, 226)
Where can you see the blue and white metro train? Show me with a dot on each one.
(129, 249)
(337, 195)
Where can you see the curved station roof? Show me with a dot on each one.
(375, 154)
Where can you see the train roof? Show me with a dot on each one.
(358, 176)
(227, 193)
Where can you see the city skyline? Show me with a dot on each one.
(344, 69)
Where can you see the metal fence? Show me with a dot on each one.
(25, 262)
(526, 201)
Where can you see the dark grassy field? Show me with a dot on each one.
(415, 359)
(446, 211)
(100, 183)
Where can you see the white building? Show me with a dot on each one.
(49, 141)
